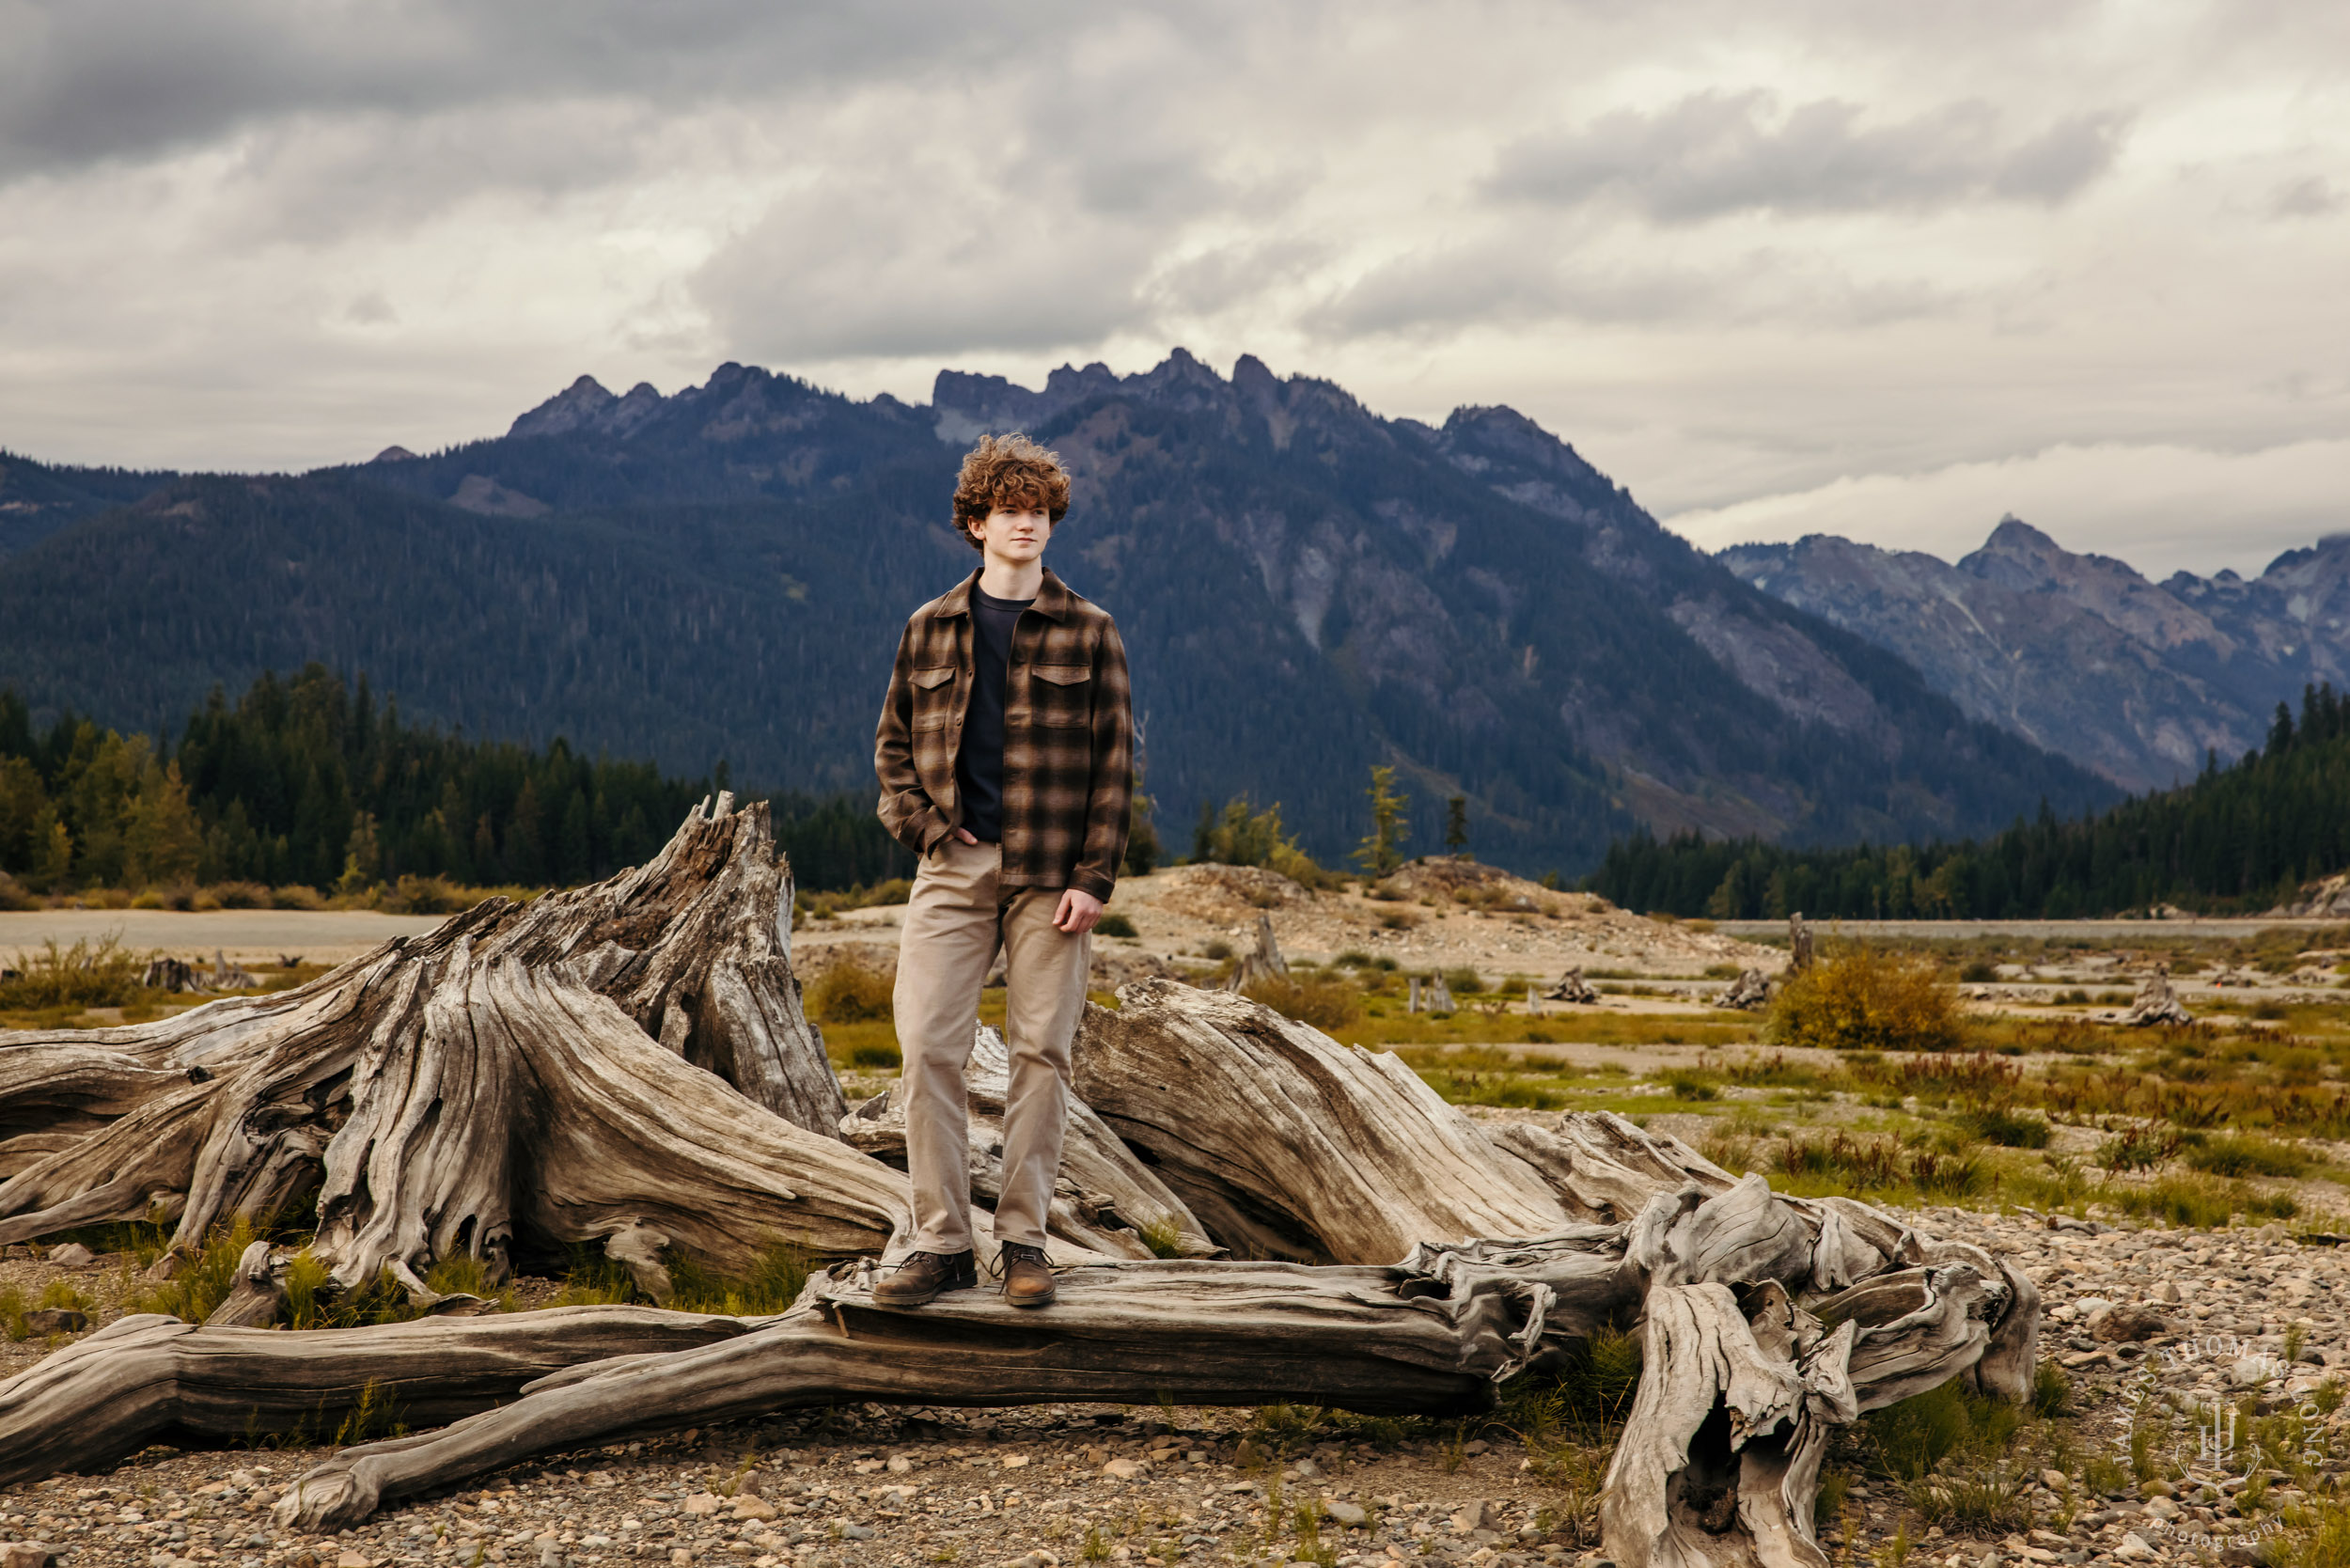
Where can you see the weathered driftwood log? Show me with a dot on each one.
(1750, 990)
(1104, 1197)
(2158, 1002)
(1603, 1167)
(540, 1066)
(1573, 987)
(226, 976)
(1429, 1336)
(1288, 1144)
(168, 974)
(139, 1379)
(1720, 1457)
(1263, 962)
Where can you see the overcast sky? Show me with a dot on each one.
(1814, 265)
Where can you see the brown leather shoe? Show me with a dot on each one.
(1028, 1276)
(923, 1276)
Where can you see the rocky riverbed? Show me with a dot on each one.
(2150, 1326)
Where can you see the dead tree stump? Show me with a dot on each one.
(1573, 987)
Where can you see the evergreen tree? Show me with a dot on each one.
(1382, 849)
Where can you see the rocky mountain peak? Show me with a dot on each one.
(575, 407)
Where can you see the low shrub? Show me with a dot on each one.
(877, 1058)
(240, 895)
(851, 994)
(1688, 1086)
(100, 974)
(1114, 925)
(1325, 1005)
(296, 895)
(1861, 999)
(2005, 1126)
(427, 895)
(2238, 1154)
(1879, 1165)
(2200, 1201)
(1464, 981)
(2137, 1148)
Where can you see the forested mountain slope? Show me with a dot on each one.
(1306, 590)
(2238, 840)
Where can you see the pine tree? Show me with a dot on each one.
(1456, 827)
(1382, 848)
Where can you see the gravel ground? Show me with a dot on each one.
(866, 1484)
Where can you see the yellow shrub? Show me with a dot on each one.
(1861, 998)
(1325, 1005)
(849, 994)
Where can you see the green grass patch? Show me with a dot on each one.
(2239, 1154)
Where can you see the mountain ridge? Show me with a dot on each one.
(2138, 681)
(1305, 588)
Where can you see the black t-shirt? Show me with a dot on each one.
(979, 763)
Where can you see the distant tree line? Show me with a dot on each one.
(2238, 839)
(307, 781)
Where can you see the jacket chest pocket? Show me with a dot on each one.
(933, 696)
(1061, 695)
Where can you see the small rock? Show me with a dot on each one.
(900, 1464)
(347, 1559)
(1125, 1469)
(1011, 1461)
(1347, 1513)
(752, 1506)
(1475, 1446)
(1476, 1515)
(856, 1532)
(701, 1502)
(680, 1557)
(72, 1255)
(2169, 1292)
(25, 1554)
(1309, 1470)
(2161, 1507)
(2055, 1480)
(56, 1320)
(2126, 1326)
(2134, 1548)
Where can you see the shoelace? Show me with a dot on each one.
(1002, 1270)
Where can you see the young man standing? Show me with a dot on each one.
(1006, 757)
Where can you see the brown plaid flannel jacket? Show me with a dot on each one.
(1068, 738)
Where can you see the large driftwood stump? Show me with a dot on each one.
(1288, 1144)
(629, 1062)
(625, 1063)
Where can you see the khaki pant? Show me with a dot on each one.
(954, 925)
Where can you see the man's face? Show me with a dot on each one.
(1014, 534)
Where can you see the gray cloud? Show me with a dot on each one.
(1714, 153)
(2310, 198)
(274, 232)
(87, 80)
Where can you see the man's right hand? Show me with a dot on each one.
(964, 834)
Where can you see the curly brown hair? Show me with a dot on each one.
(1009, 471)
